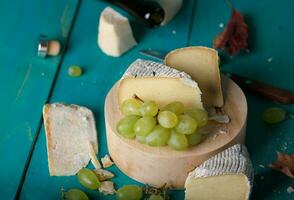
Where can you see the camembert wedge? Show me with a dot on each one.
(154, 81)
(202, 64)
(226, 176)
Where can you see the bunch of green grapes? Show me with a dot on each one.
(171, 125)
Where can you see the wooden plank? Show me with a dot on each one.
(25, 79)
(89, 90)
(271, 36)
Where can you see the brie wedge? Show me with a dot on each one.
(154, 81)
(226, 176)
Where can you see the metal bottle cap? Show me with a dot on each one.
(42, 48)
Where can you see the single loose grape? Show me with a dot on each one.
(88, 179)
(155, 197)
(158, 137)
(194, 139)
(175, 107)
(167, 119)
(125, 127)
(75, 71)
(178, 141)
(144, 125)
(149, 108)
(75, 194)
(199, 115)
(273, 115)
(129, 192)
(186, 125)
(131, 107)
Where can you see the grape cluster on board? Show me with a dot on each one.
(171, 125)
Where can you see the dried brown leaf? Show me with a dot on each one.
(284, 164)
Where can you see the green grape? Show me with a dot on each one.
(149, 108)
(141, 139)
(194, 139)
(144, 125)
(75, 71)
(155, 197)
(199, 115)
(131, 107)
(273, 115)
(88, 179)
(186, 125)
(175, 107)
(75, 194)
(167, 119)
(178, 141)
(158, 137)
(129, 192)
(125, 127)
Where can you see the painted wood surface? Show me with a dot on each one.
(90, 90)
(25, 79)
(270, 61)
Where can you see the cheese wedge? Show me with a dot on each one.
(226, 176)
(202, 64)
(154, 81)
(115, 35)
(69, 131)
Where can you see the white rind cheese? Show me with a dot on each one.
(115, 35)
(154, 81)
(227, 175)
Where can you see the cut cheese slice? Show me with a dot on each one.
(226, 176)
(115, 34)
(154, 81)
(69, 131)
(202, 64)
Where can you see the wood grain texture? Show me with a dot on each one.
(25, 79)
(152, 165)
(90, 90)
(269, 61)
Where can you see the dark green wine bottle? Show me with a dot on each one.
(148, 12)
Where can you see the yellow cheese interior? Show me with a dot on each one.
(161, 90)
(202, 65)
(222, 187)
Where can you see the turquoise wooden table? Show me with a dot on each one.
(27, 82)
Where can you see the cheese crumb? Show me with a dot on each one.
(290, 189)
(106, 161)
(107, 188)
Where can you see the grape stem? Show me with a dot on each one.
(137, 98)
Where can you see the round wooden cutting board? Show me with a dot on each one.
(158, 165)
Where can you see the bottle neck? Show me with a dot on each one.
(148, 12)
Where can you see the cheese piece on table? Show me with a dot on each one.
(202, 64)
(69, 130)
(226, 176)
(115, 35)
(154, 81)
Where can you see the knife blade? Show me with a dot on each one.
(256, 87)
